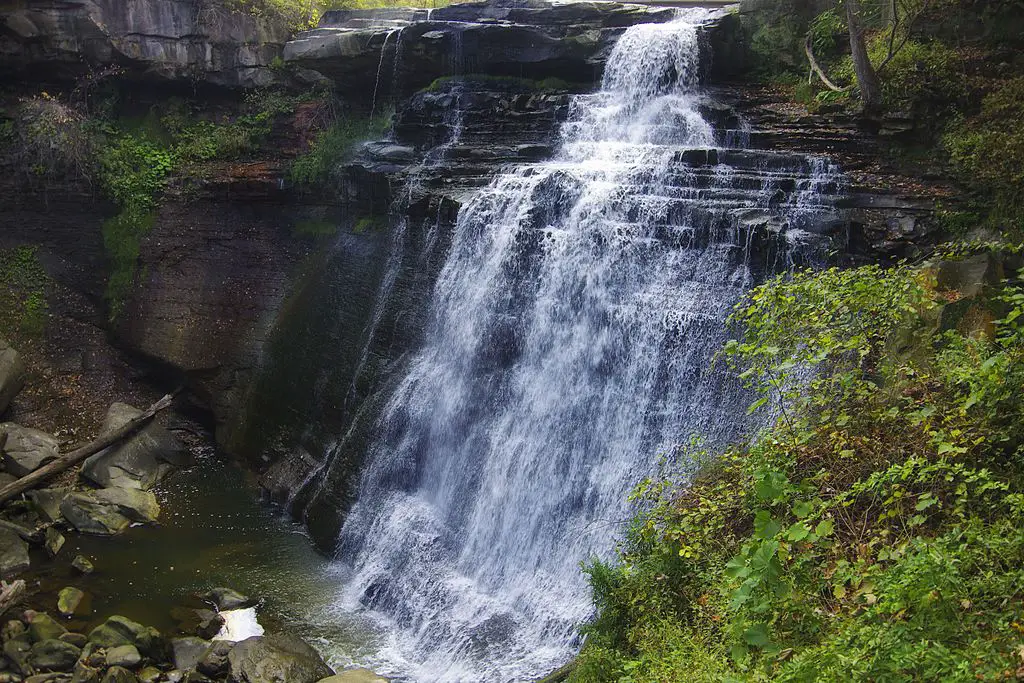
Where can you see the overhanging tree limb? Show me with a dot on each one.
(809, 50)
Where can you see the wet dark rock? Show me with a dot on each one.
(109, 511)
(68, 601)
(188, 651)
(12, 375)
(41, 626)
(18, 651)
(76, 639)
(138, 462)
(82, 564)
(276, 657)
(54, 655)
(227, 598)
(123, 655)
(53, 541)
(117, 631)
(150, 674)
(118, 674)
(542, 40)
(47, 503)
(25, 449)
(215, 662)
(13, 554)
(12, 629)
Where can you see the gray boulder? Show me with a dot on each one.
(119, 674)
(54, 655)
(47, 502)
(276, 658)
(13, 554)
(109, 511)
(188, 651)
(42, 627)
(123, 655)
(136, 463)
(25, 449)
(118, 631)
(68, 601)
(228, 599)
(12, 375)
(215, 662)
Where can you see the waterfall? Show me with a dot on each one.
(570, 347)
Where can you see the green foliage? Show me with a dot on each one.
(23, 284)
(133, 168)
(926, 78)
(48, 141)
(333, 146)
(988, 152)
(872, 533)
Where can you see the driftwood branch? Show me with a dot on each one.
(816, 68)
(76, 456)
(10, 593)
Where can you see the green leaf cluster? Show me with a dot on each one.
(873, 532)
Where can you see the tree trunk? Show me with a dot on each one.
(867, 77)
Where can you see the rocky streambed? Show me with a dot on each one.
(131, 568)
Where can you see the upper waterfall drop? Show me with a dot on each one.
(570, 347)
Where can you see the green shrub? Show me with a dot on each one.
(872, 533)
(987, 150)
(320, 165)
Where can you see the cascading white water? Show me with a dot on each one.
(571, 345)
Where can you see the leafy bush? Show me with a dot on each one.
(333, 146)
(988, 152)
(873, 533)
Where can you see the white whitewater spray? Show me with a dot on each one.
(570, 347)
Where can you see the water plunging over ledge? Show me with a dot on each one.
(569, 348)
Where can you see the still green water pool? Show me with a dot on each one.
(214, 531)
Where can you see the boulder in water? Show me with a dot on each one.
(188, 651)
(68, 601)
(138, 462)
(25, 449)
(276, 657)
(229, 599)
(42, 626)
(109, 511)
(54, 655)
(123, 655)
(13, 553)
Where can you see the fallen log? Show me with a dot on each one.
(62, 463)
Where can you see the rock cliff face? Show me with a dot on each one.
(395, 53)
(160, 40)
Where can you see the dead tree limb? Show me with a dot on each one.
(816, 68)
(76, 456)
